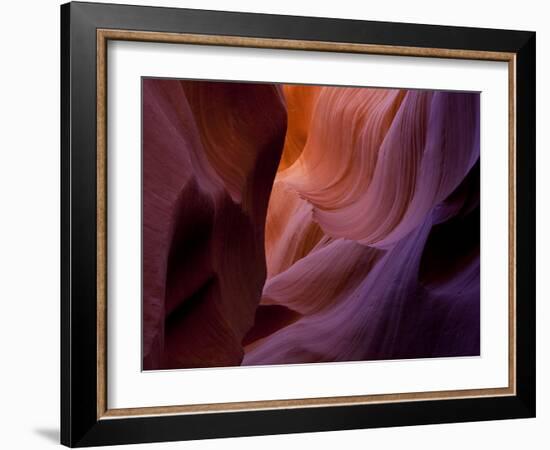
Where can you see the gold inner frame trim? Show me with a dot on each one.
(104, 35)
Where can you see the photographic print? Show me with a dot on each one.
(297, 224)
(278, 224)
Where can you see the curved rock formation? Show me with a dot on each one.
(371, 243)
(210, 154)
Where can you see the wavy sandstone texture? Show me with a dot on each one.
(298, 224)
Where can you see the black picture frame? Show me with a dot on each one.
(80, 425)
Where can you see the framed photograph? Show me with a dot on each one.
(277, 224)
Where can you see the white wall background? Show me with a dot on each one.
(29, 224)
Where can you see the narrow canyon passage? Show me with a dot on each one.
(298, 224)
